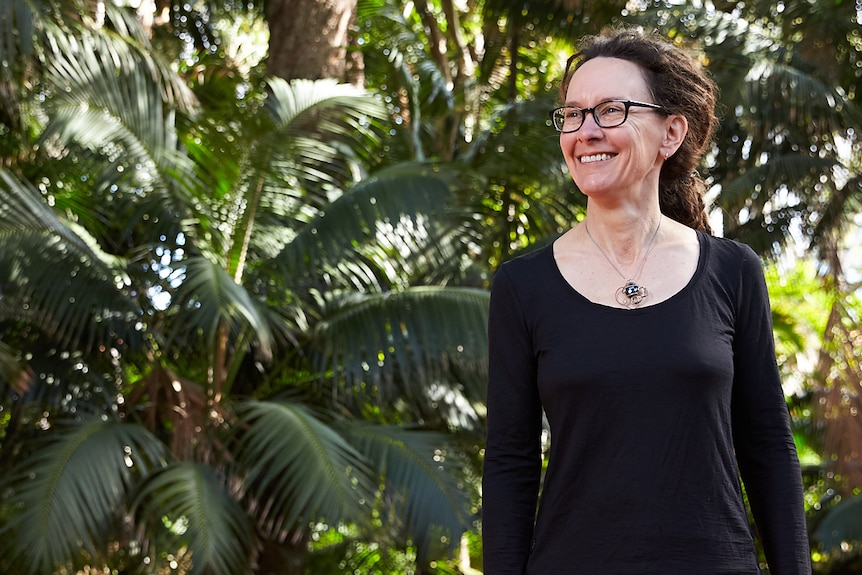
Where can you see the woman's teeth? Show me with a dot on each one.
(595, 158)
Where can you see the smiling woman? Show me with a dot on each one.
(647, 344)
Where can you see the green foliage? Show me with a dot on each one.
(64, 502)
(242, 320)
(297, 468)
(193, 503)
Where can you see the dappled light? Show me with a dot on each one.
(243, 318)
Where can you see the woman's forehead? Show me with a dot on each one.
(607, 78)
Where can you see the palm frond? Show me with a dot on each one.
(28, 27)
(41, 252)
(208, 297)
(295, 159)
(841, 525)
(406, 343)
(321, 117)
(421, 483)
(75, 491)
(126, 39)
(17, 28)
(107, 102)
(200, 510)
(412, 195)
(296, 468)
(342, 106)
(767, 178)
(760, 203)
(784, 96)
(406, 67)
(23, 209)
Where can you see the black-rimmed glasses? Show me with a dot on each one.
(609, 114)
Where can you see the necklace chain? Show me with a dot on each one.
(630, 294)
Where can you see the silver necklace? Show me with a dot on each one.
(631, 294)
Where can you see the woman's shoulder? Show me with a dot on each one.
(727, 245)
(533, 260)
(528, 271)
(728, 248)
(731, 257)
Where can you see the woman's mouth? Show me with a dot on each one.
(595, 158)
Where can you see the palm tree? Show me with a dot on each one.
(209, 322)
(242, 318)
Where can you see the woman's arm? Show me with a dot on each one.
(512, 465)
(765, 451)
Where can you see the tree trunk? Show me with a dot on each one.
(310, 38)
(282, 557)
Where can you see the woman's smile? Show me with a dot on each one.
(595, 158)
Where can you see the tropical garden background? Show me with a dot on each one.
(246, 248)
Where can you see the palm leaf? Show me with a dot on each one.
(40, 253)
(129, 43)
(69, 496)
(791, 97)
(755, 211)
(342, 107)
(208, 297)
(769, 177)
(23, 209)
(106, 101)
(404, 343)
(407, 67)
(421, 483)
(316, 122)
(338, 233)
(277, 168)
(296, 468)
(841, 525)
(17, 28)
(31, 26)
(196, 504)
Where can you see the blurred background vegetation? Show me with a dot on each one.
(246, 248)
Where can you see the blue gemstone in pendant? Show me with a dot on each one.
(631, 290)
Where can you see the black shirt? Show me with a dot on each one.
(653, 414)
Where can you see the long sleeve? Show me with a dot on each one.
(763, 442)
(512, 465)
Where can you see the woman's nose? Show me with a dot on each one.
(589, 129)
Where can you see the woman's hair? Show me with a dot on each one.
(680, 85)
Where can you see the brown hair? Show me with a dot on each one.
(679, 84)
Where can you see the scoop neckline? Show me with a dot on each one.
(703, 246)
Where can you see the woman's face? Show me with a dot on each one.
(624, 160)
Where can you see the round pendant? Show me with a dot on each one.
(631, 294)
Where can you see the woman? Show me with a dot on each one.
(647, 343)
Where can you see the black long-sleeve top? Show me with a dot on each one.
(654, 413)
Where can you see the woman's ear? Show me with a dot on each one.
(676, 127)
